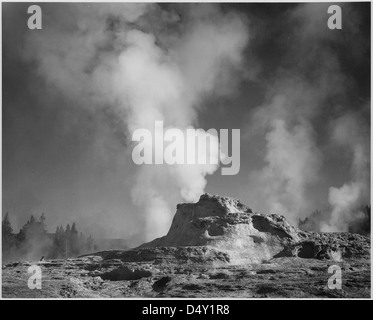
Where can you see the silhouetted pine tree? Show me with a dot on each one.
(32, 240)
(58, 249)
(8, 238)
(74, 240)
(7, 229)
(67, 241)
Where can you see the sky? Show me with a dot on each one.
(74, 92)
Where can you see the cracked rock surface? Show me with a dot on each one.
(217, 247)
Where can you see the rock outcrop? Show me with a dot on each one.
(217, 247)
(229, 226)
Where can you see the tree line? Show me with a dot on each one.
(34, 242)
(360, 225)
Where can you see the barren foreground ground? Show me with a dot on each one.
(110, 275)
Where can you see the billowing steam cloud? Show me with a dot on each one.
(350, 133)
(150, 63)
(292, 157)
(308, 82)
(293, 161)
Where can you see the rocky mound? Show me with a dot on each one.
(217, 247)
(227, 225)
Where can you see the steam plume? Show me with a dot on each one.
(149, 63)
(350, 133)
(308, 82)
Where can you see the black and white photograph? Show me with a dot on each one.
(176, 150)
